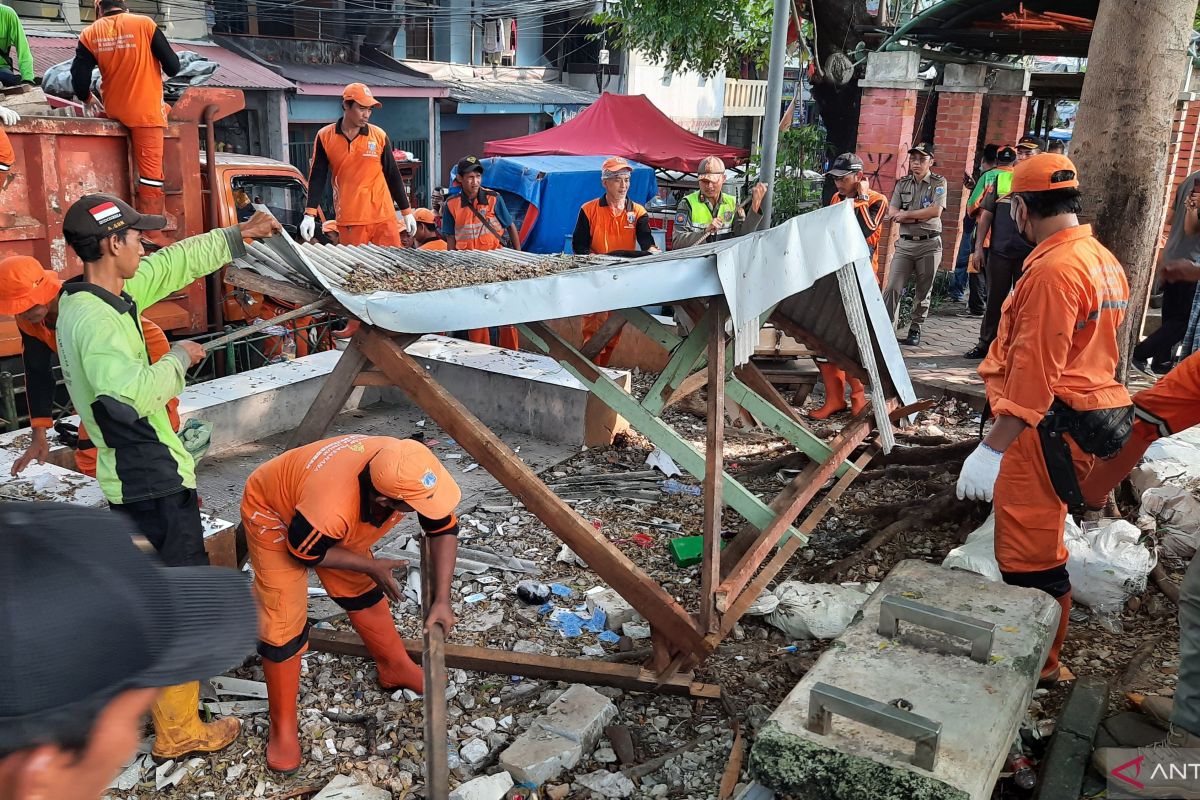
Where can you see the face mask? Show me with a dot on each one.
(1012, 211)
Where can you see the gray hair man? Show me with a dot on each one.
(709, 215)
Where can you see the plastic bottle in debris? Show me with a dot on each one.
(533, 593)
(1023, 774)
(672, 486)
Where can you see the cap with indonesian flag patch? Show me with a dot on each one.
(100, 215)
(407, 470)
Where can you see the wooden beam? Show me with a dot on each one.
(333, 395)
(678, 369)
(785, 552)
(372, 377)
(714, 465)
(610, 329)
(754, 378)
(528, 665)
(613, 566)
(815, 475)
(280, 290)
(433, 664)
(689, 385)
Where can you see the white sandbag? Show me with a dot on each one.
(815, 610)
(978, 553)
(1174, 461)
(1106, 564)
(1175, 513)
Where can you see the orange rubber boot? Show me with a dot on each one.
(156, 205)
(1051, 669)
(858, 396)
(835, 391)
(378, 631)
(283, 691)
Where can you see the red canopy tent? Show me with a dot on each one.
(621, 125)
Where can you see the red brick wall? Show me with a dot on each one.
(1006, 119)
(957, 134)
(885, 132)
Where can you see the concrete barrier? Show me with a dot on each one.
(955, 715)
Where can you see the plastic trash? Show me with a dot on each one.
(663, 463)
(1107, 564)
(672, 486)
(1175, 513)
(814, 610)
(977, 553)
(533, 593)
(559, 590)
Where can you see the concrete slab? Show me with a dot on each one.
(520, 391)
(485, 787)
(538, 756)
(979, 705)
(579, 714)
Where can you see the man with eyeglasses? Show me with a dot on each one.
(710, 215)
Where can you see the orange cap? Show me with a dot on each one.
(359, 93)
(426, 216)
(407, 470)
(1043, 173)
(25, 284)
(329, 226)
(614, 165)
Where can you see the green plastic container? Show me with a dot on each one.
(689, 550)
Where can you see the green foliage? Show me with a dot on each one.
(684, 35)
(800, 149)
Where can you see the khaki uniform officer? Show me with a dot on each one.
(917, 205)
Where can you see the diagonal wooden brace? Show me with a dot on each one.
(601, 555)
(611, 328)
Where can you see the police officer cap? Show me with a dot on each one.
(924, 149)
(845, 164)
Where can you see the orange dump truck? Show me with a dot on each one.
(60, 159)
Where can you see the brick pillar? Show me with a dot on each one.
(960, 106)
(1182, 158)
(885, 125)
(1008, 106)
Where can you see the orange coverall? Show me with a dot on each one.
(1057, 339)
(366, 181)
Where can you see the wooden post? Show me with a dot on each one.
(710, 571)
(433, 663)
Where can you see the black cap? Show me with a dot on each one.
(99, 215)
(1030, 142)
(85, 615)
(845, 164)
(1005, 156)
(924, 148)
(469, 164)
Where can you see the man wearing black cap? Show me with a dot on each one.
(141, 464)
(93, 630)
(1028, 147)
(917, 204)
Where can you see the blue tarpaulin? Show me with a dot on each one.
(556, 186)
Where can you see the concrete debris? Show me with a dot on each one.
(538, 756)
(579, 714)
(634, 631)
(557, 739)
(237, 687)
(131, 776)
(471, 560)
(617, 610)
(236, 708)
(607, 784)
(346, 787)
(474, 752)
(234, 772)
(485, 787)
(170, 774)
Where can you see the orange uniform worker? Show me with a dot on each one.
(477, 219)
(330, 229)
(355, 157)
(132, 53)
(323, 506)
(30, 293)
(427, 236)
(609, 224)
(870, 208)
(1049, 377)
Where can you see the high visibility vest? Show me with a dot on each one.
(1003, 183)
(613, 231)
(469, 232)
(702, 214)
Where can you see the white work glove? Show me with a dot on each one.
(978, 476)
(8, 116)
(308, 227)
(410, 221)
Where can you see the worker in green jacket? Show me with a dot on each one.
(141, 464)
(12, 37)
(710, 215)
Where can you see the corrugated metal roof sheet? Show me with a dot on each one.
(234, 71)
(376, 77)
(520, 93)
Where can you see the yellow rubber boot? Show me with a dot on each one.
(835, 391)
(178, 730)
(858, 396)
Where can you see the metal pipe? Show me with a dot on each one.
(770, 143)
(213, 283)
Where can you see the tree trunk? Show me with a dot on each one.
(1122, 135)
(835, 21)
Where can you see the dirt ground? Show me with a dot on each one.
(377, 736)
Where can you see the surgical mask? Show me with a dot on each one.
(1012, 211)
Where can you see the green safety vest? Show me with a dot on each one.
(702, 214)
(1003, 184)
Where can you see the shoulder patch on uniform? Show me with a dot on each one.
(940, 190)
(429, 480)
(937, 177)
(681, 218)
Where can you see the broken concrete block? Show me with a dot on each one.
(979, 704)
(474, 751)
(539, 755)
(617, 611)
(343, 787)
(579, 714)
(485, 787)
(606, 784)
